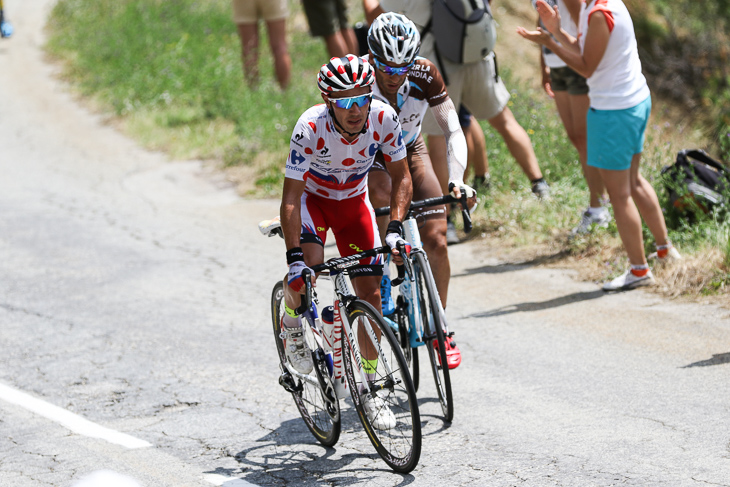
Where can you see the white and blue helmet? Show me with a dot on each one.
(394, 38)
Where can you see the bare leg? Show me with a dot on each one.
(249, 34)
(279, 51)
(646, 200)
(518, 142)
(478, 152)
(336, 45)
(628, 220)
(433, 234)
(350, 40)
(572, 110)
(368, 289)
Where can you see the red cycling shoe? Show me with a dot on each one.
(453, 354)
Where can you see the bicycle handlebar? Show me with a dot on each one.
(336, 263)
(438, 200)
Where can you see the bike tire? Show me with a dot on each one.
(400, 446)
(321, 416)
(434, 332)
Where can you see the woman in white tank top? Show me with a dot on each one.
(605, 52)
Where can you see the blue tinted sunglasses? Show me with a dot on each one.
(389, 70)
(347, 103)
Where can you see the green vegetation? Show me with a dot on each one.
(171, 72)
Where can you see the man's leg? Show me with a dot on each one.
(336, 44)
(518, 142)
(249, 34)
(279, 51)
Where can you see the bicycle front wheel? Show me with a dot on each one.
(433, 331)
(313, 393)
(385, 401)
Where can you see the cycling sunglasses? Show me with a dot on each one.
(347, 103)
(389, 70)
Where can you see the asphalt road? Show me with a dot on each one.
(135, 337)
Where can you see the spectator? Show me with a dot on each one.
(328, 19)
(570, 92)
(475, 85)
(246, 14)
(606, 53)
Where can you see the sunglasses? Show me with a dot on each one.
(389, 70)
(347, 103)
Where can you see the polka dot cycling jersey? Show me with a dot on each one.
(332, 167)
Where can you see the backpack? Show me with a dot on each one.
(696, 181)
(465, 30)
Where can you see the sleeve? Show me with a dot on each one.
(391, 145)
(300, 152)
(456, 150)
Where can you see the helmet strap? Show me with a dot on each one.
(341, 128)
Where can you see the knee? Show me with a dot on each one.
(434, 238)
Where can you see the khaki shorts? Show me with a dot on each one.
(325, 17)
(250, 11)
(477, 86)
(565, 79)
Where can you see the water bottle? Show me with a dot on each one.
(328, 325)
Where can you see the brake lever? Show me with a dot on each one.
(307, 299)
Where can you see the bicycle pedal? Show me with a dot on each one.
(287, 382)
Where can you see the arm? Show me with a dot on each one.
(595, 45)
(372, 9)
(402, 192)
(290, 212)
(545, 71)
(456, 150)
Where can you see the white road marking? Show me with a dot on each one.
(223, 481)
(72, 421)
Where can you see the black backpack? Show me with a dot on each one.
(696, 181)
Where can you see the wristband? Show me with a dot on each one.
(294, 254)
(395, 227)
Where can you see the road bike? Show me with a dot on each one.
(337, 337)
(419, 318)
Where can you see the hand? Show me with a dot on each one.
(392, 240)
(539, 36)
(471, 196)
(546, 84)
(294, 279)
(549, 16)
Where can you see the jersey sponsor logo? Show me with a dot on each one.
(410, 118)
(422, 75)
(296, 158)
(371, 150)
(355, 247)
(298, 137)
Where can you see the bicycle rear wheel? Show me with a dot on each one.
(313, 393)
(434, 333)
(399, 445)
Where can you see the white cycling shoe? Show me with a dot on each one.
(297, 351)
(379, 414)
